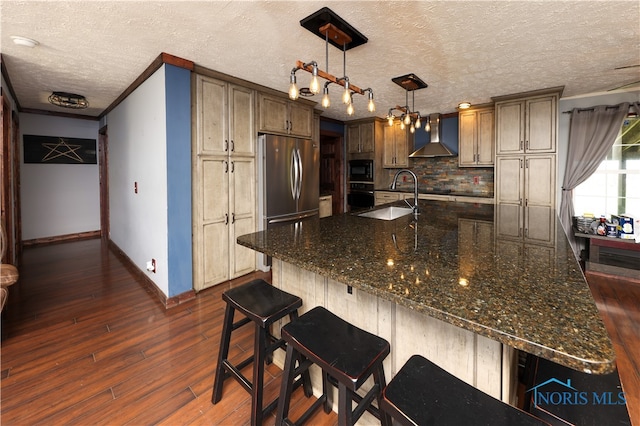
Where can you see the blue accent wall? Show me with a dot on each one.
(178, 110)
(332, 126)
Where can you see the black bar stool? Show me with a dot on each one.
(262, 304)
(347, 355)
(424, 394)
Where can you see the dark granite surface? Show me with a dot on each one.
(449, 265)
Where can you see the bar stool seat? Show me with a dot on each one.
(346, 354)
(422, 393)
(262, 304)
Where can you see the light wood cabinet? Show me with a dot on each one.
(325, 207)
(224, 118)
(476, 130)
(283, 116)
(396, 147)
(526, 125)
(525, 197)
(384, 197)
(224, 194)
(525, 175)
(361, 137)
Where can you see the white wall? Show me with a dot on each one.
(58, 199)
(136, 130)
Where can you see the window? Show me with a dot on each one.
(614, 188)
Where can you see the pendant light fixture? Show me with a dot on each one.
(409, 116)
(326, 24)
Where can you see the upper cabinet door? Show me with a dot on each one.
(211, 116)
(367, 132)
(242, 129)
(273, 114)
(467, 138)
(353, 138)
(285, 117)
(510, 127)
(486, 138)
(300, 120)
(541, 125)
(526, 126)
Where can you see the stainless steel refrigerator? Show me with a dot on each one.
(291, 179)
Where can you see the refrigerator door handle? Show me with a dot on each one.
(299, 173)
(293, 172)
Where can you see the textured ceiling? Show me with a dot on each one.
(464, 50)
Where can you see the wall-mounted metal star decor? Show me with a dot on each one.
(59, 150)
(62, 148)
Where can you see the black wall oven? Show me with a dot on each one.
(361, 196)
(361, 170)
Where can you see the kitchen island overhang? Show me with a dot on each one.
(450, 265)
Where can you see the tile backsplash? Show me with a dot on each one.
(441, 173)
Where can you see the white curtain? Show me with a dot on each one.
(592, 132)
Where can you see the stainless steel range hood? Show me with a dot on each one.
(434, 148)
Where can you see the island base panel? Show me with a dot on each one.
(482, 362)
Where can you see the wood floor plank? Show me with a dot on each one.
(617, 300)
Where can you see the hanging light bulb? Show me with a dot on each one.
(407, 119)
(412, 129)
(402, 125)
(371, 106)
(314, 85)
(350, 109)
(346, 96)
(326, 102)
(418, 122)
(427, 127)
(390, 119)
(293, 88)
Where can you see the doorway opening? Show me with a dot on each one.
(332, 169)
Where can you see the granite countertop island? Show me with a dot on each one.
(449, 264)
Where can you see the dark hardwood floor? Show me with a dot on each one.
(618, 300)
(86, 343)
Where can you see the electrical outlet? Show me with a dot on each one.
(151, 265)
(404, 178)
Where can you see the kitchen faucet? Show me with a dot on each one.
(415, 188)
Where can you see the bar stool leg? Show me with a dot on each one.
(260, 346)
(223, 354)
(378, 377)
(327, 390)
(345, 411)
(286, 388)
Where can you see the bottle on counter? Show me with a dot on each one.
(602, 226)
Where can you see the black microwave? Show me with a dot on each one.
(361, 170)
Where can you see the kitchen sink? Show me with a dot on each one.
(387, 213)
